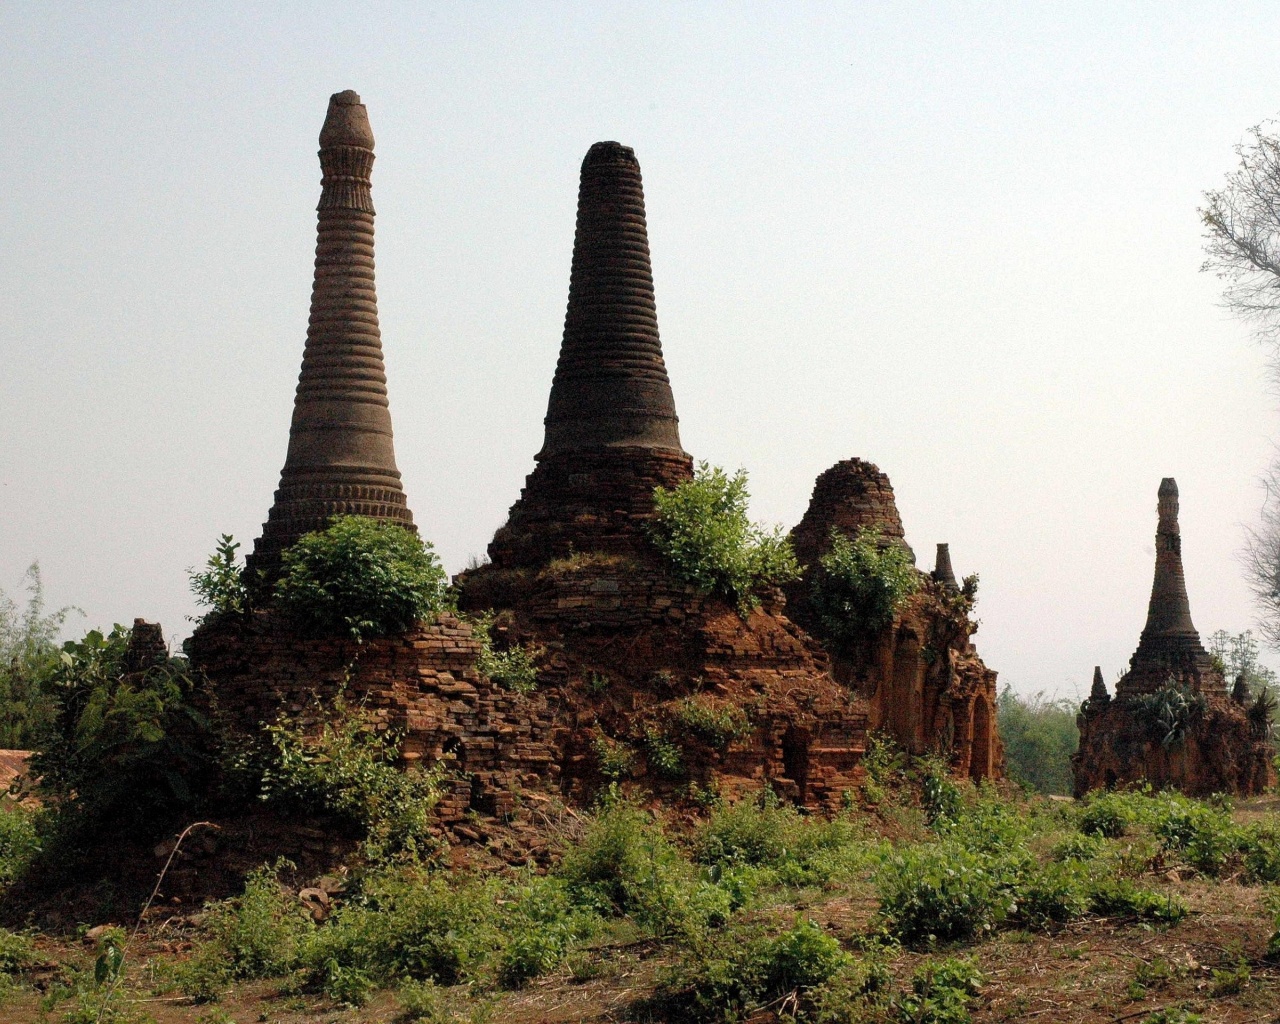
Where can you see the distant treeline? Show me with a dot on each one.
(1039, 737)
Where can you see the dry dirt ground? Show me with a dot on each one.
(1097, 970)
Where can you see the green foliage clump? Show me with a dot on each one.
(1039, 737)
(665, 758)
(740, 972)
(1110, 815)
(514, 668)
(1120, 897)
(718, 723)
(220, 586)
(1168, 713)
(20, 840)
(351, 770)
(859, 585)
(941, 992)
(123, 747)
(28, 657)
(941, 892)
(1204, 835)
(1261, 846)
(615, 759)
(363, 577)
(624, 864)
(258, 935)
(703, 529)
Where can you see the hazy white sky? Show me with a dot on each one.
(958, 240)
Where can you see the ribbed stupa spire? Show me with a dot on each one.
(341, 459)
(1170, 645)
(611, 434)
(610, 387)
(942, 571)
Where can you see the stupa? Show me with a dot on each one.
(1171, 722)
(626, 647)
(612, 434)
(941, 701)
(341, 458)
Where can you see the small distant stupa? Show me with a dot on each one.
(341, 459)
(1193, 738)
(1170, 645)
(942, 571)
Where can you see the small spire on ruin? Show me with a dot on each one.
(610, 387)
(1098, 693)
(1240, 692)
(942, 571)
(341, 458)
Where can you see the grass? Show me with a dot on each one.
(937, 908)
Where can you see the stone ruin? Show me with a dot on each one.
(631, 660)
(923, 680)
(1171, 722)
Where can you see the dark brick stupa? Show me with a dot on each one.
(1170, 645)
(341, 458)
(1171, 722)
(943, 574)
(611, 426)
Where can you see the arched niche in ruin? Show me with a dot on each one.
(980, 759)
(906, 700)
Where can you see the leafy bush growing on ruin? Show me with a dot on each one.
(124, 747)
(1167, 713)
(514, 668)
(703, 529)
(718, 723)
(353, 771)
(859, 585)
(363, 577)
(220, 586)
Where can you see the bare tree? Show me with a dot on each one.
(1242, 236)
(1242, 246)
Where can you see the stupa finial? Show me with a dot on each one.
(1098, 692)
(610, 387)
(341, 458)
(942, 571)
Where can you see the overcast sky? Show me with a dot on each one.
(957, 240)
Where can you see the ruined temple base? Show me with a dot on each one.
(626, 647)
(1218, 755)
(423, 685)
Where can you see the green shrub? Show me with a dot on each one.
(220, 586)
(124, 748)
(665, 758)
(363, 577)
(858, 587)
(1261, 845)
(1272, 904)
(1054, 894)
(19, 840)
(624, 864)
(1167, 713)
(615, 759)
(1079, 846)
(1111, 815)
(703, 529)
(261, 934)
(1039, 737)
(940, 796)
(939, 893)
(941, 993)
(1207, 837)
(1119, 897)
(740, 972)
(353, 771)
(17, 952)
(514, 668)
(718, 723)
(748, 832)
